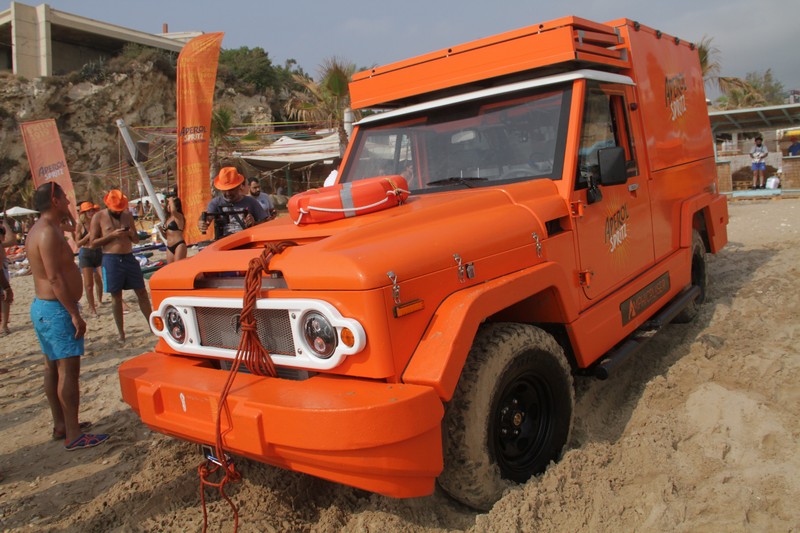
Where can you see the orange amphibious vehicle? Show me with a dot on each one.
(561, 198)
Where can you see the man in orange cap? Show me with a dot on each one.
(234, 210)
(113, 230)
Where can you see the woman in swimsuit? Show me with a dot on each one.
(89, 259)
(173, 230)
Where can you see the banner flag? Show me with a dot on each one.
(197, 75)
(47, 160)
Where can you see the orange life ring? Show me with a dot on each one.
(347, 199)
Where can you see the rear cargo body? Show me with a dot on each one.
(562, 192)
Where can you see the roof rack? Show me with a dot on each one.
(564, 40)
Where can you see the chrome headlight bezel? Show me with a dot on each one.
(174, 323)
(319, 334)
(297, 309)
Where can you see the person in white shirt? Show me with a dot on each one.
(759, 165)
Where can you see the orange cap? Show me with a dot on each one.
(86, 206)
(227, 179)
(115, 200)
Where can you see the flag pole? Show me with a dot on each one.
(123, 129)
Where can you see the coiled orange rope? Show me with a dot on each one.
(257, 361)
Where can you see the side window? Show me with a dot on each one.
(605, 124)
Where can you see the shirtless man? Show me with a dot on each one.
(113, 229)
(56, 317)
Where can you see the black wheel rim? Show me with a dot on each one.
(523, 427)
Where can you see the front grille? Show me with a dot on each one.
(219, 328)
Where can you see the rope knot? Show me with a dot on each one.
(248, 325)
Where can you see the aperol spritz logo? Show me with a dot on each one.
(675, 91)
(192, 134)
(617, 228)
(51, 172)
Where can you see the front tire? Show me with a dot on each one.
(510, 415)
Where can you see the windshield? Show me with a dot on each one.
(473, 144)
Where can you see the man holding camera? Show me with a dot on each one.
(113, 230)
(234, 210)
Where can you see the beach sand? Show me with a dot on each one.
(699, 433)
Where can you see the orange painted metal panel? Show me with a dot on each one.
(441, 354)
(716, 215)
(340, 429)
(532, 47)
(600, 327)
(670, 86)
(675, 194)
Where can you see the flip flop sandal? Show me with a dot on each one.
(83, 426)
(87, 440)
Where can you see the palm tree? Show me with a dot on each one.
(710, 62)
(736, 92)
(739, 94)
(326, 101)
(221, 125)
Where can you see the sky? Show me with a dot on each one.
(752, 36)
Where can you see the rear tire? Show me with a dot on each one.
(699, 278)
(510, 416)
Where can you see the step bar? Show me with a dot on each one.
(639, 338)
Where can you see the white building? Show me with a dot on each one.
(41, 41)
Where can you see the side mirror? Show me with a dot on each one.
(612, 166)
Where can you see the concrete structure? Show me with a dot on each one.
(734, 155)
(41, 41)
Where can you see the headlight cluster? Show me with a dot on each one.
(319, 334)
(174, 324)
(300, 333)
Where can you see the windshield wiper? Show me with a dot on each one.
(463, 180)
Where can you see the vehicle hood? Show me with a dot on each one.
(417, 238)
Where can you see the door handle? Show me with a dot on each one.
(633, 187)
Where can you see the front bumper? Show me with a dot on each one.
(381, 437)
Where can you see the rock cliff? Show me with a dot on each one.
(86, 113)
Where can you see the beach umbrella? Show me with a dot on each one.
(19, 212)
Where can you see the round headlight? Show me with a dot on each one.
(320, 334)
(174, 325)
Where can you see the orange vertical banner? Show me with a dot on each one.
(197, 74)
(47, 160)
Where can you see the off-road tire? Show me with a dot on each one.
(699, 278)
(507, 362)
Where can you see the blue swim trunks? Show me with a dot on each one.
(54, 329)
(759, 165)
(121, 272)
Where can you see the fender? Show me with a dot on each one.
(440, 356)
(715, 214)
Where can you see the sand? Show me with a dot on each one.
(700, 433)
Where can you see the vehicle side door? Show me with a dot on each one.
(614, 221)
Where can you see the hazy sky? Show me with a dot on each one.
(751, 35)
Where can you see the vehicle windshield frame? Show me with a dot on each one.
(470, 143)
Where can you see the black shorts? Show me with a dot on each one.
(90, 257)
(121, 272)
